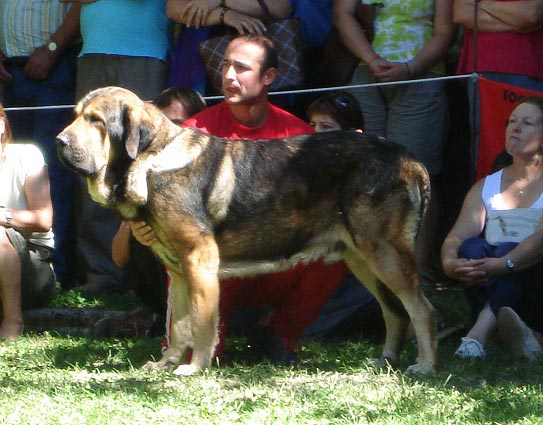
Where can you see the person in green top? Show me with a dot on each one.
(411, 40)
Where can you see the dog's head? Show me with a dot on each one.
(111, 126)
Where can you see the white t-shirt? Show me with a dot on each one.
(21, 161)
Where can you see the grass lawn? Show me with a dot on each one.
(55, 379)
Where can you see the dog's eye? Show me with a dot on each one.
(94, 119)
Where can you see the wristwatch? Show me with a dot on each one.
(52, 46)
(509, 263)
(9, 216)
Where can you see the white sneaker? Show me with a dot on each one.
(470, 348)
(516, 335)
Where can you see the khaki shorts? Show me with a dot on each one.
(38, 282)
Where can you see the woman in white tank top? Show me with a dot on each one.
(496, 244)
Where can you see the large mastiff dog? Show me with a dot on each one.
(223, 208)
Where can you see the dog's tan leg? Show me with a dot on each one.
(396, 322)
(180, 327)
(201, 269)
(424, 319)
(397, 270)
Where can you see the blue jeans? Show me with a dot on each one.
(43, 126)
(516, 290)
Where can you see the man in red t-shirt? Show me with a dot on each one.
(296, 295)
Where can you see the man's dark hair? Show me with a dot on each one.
(270, 58)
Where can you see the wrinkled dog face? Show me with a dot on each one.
(99, 136)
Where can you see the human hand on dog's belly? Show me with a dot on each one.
(143, 233)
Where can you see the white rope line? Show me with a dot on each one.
(301, 91)
(389, 83)
(38, 108)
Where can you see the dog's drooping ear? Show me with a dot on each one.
(138, 133)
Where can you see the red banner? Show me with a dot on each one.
(497, 102)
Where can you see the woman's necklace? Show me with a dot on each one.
(523, 190)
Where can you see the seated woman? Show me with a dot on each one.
(503, 268)
(26, 240)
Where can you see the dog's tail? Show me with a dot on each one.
(419, 188)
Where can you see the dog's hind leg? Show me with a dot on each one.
(395, 316)
(201, 266)
(424, 319)
(178, 324)
(396, 268)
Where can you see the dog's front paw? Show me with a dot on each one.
(421, 369)
(186, 370)
(158, 366)
(170, 358)
(382, 362)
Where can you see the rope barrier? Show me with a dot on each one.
(286, 92)
(384, 84)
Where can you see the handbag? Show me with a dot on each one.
(286, 35)
(339, 62)
(512, 225)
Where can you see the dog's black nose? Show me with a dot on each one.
(62, 140)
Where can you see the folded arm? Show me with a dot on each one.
(197, 13)
(498, 16)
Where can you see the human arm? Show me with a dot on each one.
(120, 248)
(187, 11)
(352, 35)
(523, 15)
(39, 215)
(143, 233)
(525, 255)
(499, 16)
(470, 223)
(42, 60)
(444, 33)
